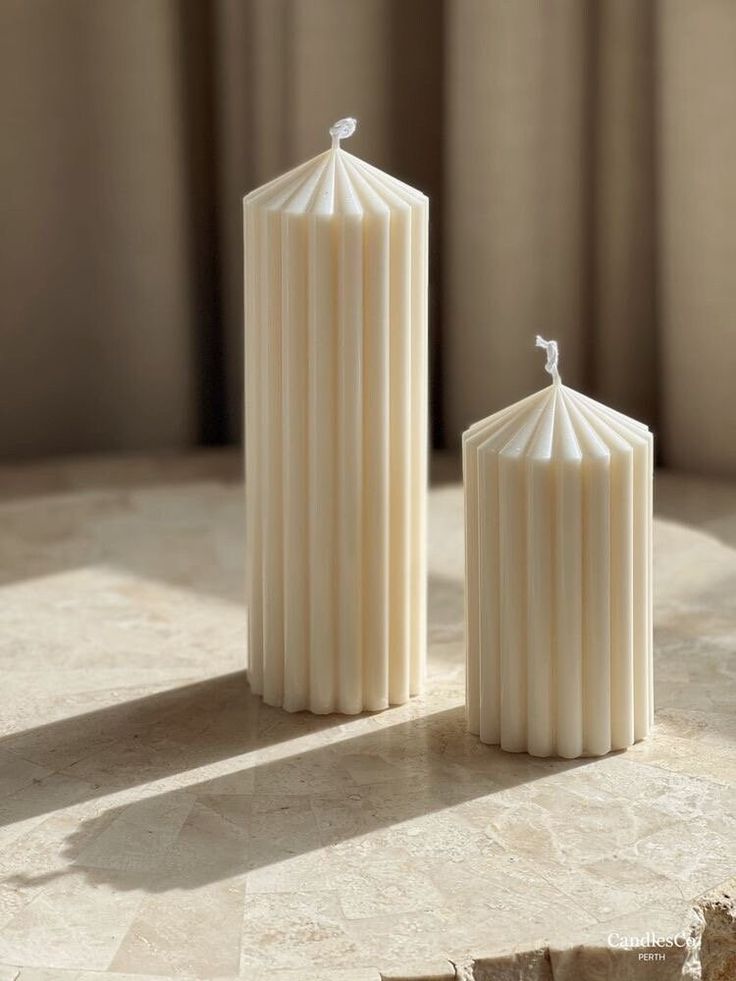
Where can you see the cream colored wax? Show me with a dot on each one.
(558, 526)
(336, 435)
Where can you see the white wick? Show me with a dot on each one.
(341, 130)
(552, 357)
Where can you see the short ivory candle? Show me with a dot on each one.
(336, 435)
(558, 530)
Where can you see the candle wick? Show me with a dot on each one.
(341, 130)
(553, 356)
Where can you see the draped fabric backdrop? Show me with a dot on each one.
(579, 155)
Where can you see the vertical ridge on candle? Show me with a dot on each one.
(322, 476)
(399, 455)
(640, 588)
(622, 601)
(253, 424)
(419, 386)
(568, 576)
(597, 607)
(296, 476)
(512, 492)
(473, 579)
(376, 457)
(271, 468)
(350, 467)
(539, 565)
(486, 694)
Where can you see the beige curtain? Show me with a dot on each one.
(579, 155)
(591, 196)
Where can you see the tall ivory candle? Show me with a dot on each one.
(558, 530)
(336, 434)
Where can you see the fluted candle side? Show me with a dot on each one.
(558, 525)
(336, 435)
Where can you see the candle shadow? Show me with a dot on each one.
(246, 786)
(119, 747)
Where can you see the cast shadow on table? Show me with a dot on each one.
(179, 729)
(135, 742)
(245, 817)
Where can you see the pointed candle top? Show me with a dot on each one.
(341, 130)
(552, 357)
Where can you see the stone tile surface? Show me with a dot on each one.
(157, 821)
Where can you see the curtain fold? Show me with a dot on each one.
(97, 320)
(578, 153)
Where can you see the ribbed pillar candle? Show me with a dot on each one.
(336, 435)
(558, 529)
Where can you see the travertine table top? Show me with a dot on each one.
(157, 820)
